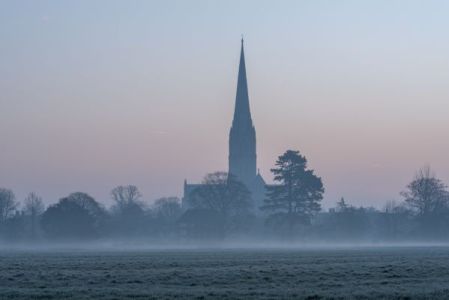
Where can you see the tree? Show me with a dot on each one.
(125, 195)
(426, 193)
(88, 203)
(201, 223)
(77, 216)
(427, 197)
(167, 211)
(347, 222)
(296, 196)
(33, 210)
(223, 193)
(341, 205)
(168, 208)
(397, 221)
(8, 205)
(128, 212)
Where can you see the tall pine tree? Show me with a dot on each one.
(296, 196)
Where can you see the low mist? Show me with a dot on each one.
(220, 213)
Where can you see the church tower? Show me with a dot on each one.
(242, 137)
(242, 147)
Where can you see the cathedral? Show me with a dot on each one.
(242, 145)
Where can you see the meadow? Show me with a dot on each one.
(357, 273)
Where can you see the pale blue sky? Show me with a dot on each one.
(99, 93)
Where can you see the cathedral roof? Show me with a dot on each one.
(259, 179)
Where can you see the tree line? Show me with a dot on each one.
(222, 208)
(80, 217)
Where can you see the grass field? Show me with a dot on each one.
(399, 272)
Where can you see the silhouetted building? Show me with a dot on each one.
(242, 144)
(242, 136)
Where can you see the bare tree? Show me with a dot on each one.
(8, 204)
(33, 208)
(87, 202)
(129, 217)
(222, 193)
(33, 205)
(125, 195)
(394, 207)
(426, 193)
(169, 208)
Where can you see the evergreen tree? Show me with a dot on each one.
(296, 196)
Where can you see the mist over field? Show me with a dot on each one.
(221, 212)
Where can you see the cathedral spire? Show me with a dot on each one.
(242, 137)
(242, 112)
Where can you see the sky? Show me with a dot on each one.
(95, 94)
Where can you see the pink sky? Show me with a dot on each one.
(92, 96)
